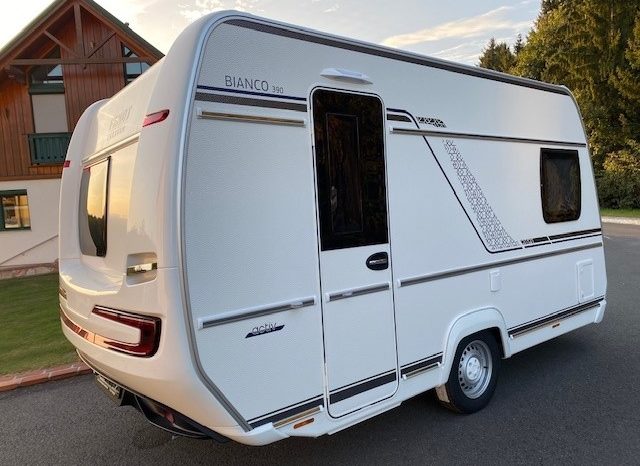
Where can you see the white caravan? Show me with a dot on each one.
(277, 232)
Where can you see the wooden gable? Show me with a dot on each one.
(88, 42)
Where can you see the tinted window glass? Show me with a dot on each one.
(345, 176)
(560, 185)
(92, 217)
(349, 145)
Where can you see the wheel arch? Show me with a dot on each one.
(486, 319)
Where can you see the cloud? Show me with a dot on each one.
(468, 52)
(476, 26)
(331, 9)
(199, 8)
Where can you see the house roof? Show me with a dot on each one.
(54, 12)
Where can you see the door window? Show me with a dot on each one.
(349, 145)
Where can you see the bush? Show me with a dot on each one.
(619, 181)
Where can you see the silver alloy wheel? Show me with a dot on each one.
(475, 368)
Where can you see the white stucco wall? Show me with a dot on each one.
(39, 244)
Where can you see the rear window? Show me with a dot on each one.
(92, 218)
(560, 185)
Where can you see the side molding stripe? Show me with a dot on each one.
(478, 268)
(244, 314)
(235, 100)
(483, 137)
(289, 411)
(420, 366)
(560, 315)
(341, 394)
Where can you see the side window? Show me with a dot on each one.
(349, 145)
(92, 216)
(14, 210)
(560, 185)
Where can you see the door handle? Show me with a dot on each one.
(378, 261)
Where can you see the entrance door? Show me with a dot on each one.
(355, 272)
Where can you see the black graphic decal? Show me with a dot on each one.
(494, 233)
(264, 328)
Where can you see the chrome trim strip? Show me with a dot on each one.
(103, 153)
(413, 373)
(303, 414)
(248, 118)
(141, 268)
(553, 318)
(357, 291)
(484, 137)
(477, 268)
(244, 314)
(421, 365)
(281, 416)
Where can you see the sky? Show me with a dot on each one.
(456, 31)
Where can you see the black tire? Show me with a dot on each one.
(471, 384)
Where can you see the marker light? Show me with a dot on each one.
(156, 117)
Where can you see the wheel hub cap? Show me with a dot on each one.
(474, 369)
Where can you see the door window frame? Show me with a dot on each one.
(383, 111)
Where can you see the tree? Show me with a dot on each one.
(497, 56)
(627, 82)
(583, 45)
(518, 45)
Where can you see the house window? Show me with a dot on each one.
(47, 79)
(560, 185)
(48, 144)
(134, 69)
(14, 211)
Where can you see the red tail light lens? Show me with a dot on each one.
(149, 327)
(156, 117)
(149, 332)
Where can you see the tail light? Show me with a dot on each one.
(149, 328)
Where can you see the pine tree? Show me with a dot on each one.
(582, 44)
(497, 56)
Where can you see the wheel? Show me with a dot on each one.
(473, 375)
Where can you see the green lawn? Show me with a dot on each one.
(635, 213)
(30, 334)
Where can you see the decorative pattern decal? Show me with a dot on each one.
(437, 122)
(495, 235)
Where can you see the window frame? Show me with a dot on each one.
(545, 154)
(10, 193)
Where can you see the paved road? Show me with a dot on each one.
(572, 400)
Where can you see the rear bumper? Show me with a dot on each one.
(158, 414)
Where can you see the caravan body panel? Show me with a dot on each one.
(263, 324)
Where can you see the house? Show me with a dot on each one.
(70, 56)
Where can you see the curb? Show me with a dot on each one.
(621, 220)
(24, 379)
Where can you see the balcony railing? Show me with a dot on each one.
(48, 148)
